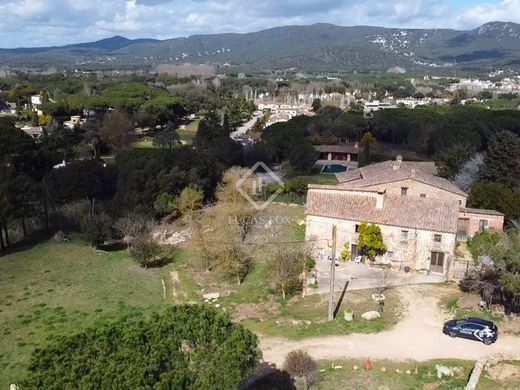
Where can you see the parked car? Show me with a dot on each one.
(336, 260)
(473, 329)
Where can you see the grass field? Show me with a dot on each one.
(306, 317)
(55, 289)
(422, 375)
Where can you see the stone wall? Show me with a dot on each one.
(416, 188)
(412, 249)
(495, 222)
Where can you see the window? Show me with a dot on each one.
(357, 228)
(404, 234)
(460, 202)
(404, 191)
(437, 237)
(483, 225)
(423, 195)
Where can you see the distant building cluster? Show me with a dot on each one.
(282, 112)
(475, 86)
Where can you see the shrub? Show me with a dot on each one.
(311, 263)
(345, 252)
(185, 347)
(96, 228)
(146, 252)
(300, 365)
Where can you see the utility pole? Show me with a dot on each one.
(332, 271)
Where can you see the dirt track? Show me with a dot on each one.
(418, 336)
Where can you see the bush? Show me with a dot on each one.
(185, 347)
(146, 252)
(298, 185)
(96, 228)
(300, 365)
(481, 243)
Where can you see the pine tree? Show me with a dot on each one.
(502, 163)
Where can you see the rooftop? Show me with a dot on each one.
(344, 148)
(354, 205)
(469, 210)
(391, 171)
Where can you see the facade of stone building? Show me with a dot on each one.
(418, 212)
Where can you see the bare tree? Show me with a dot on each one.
(302, 367)
(468, 174)
(286, 263)
(134, 226)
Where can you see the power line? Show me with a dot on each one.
(260, 243)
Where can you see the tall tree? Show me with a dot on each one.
(502, 162)
(316, 105)
(495, 196)
(117, 130)
(367, 140)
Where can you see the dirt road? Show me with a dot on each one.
(418, 336)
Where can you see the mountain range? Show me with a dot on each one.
(318, 47)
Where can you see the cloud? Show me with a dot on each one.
(507, 11)
(56, 22)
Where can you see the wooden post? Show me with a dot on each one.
(332, 272)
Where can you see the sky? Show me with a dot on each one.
(31, 23)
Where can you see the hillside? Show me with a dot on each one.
(321, 47)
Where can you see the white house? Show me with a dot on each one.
(36, 100)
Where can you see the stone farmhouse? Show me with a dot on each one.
(421, 215)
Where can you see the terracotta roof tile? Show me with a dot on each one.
(414, 213)
(381, 173)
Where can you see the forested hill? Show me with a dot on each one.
(320, 47)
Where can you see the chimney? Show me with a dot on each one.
(380, 200)
(356, 145)
(397, 163)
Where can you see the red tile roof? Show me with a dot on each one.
(381, 173)
(407, 212)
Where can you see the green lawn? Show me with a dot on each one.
(144, 143)
(306, 317)
(422, 375)
(451, 305)
(55, 289)
(187, 135)
(193, 126)
(321, 178)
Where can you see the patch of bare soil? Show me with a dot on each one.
(260, 311)
(510, 325)
(468, 301)
(504, 371)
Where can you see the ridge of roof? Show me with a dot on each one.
(383, 173)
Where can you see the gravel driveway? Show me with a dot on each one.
(361, 277)
(418, 336)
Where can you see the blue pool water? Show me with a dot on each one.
(334, 168)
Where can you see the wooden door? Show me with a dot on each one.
(353, 252)
(462, 229)
(437, 262)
